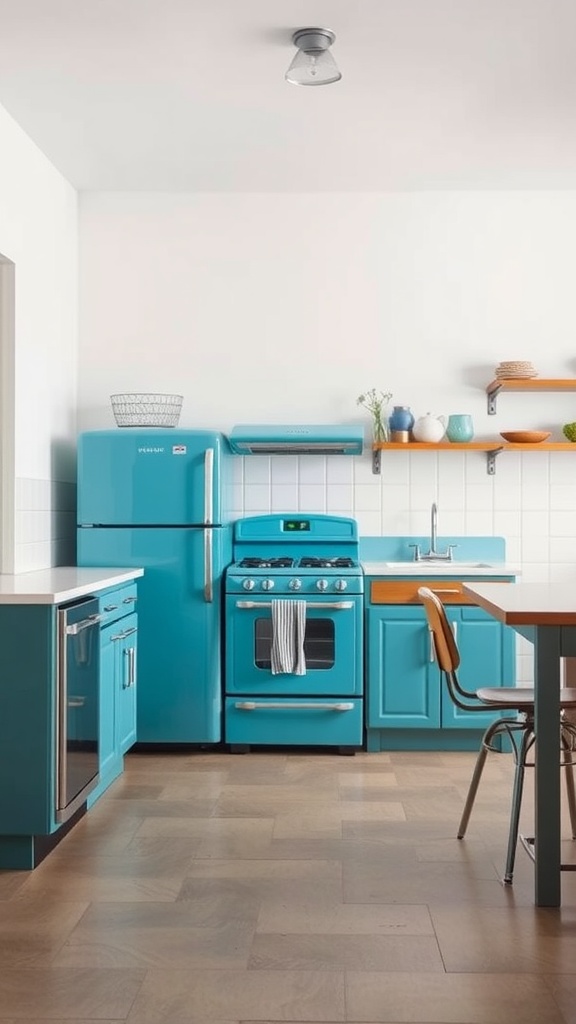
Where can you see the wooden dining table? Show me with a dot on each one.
(545, 614)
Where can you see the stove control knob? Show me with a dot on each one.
(295, 585)
(248, 584)
(267, 584)
(322, 584)
(341, 585)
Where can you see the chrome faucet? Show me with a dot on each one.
(432, 555)
(433, 527)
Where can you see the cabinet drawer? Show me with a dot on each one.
(117, 603)
(450, 591)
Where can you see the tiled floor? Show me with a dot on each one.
(206, 888)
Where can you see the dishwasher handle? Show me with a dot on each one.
(79, 627)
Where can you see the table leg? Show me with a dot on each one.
(547, 649)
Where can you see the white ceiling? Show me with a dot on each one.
(190, 94)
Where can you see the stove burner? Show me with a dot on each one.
(266, 563)
(326, 563)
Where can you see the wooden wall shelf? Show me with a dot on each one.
(492, 449)
(526, 384)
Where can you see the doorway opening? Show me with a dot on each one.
(7, 413)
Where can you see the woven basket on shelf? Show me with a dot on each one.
(134, 410)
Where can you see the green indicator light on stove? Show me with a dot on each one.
(296, 525)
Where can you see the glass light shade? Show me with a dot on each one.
(313, 67)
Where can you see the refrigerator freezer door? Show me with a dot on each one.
(149, 477)
(179, 640)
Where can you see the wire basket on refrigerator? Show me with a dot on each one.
(134, 410)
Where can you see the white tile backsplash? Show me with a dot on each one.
(362, 467)
(530, 501)
(312, 498)
(45, 524)
(367, 498)
(339, 497)
(257, 499)
(312, 470)
(256, 470)
(284, 469)
(395, 468)
(285, 498)
(340, 471)
(563, 496)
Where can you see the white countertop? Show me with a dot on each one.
(63, 583)
(427, 569)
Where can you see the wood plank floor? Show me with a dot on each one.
(206, 888)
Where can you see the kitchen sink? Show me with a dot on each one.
(437, 563)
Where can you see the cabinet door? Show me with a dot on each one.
(107, 702)
(126, 684)
(402, 677)
(487, 652)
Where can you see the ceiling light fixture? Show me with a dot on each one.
(313, 64)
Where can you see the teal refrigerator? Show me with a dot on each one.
(155, 498)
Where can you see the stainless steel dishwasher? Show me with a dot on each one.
(77, 698)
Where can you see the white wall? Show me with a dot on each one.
(38, 234)
(284, 308)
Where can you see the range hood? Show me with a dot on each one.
(297, 440)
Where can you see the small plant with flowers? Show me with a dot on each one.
(375, 403)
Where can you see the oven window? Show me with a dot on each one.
(319, 643)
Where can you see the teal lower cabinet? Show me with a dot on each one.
(408, 706)
(41, 730)
(118, 685)
(28, 653)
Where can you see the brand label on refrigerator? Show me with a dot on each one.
(178, 449)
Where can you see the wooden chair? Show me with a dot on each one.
(518, 726)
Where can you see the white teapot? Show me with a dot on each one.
(429, 428)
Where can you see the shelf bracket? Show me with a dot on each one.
(376, 460)
(492, 396)
(491, 460)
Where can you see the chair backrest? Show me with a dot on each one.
(447, 653)
(444, 643)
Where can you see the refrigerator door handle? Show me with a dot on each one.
(208, 486)
(208, 570)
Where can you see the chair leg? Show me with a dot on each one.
(517, 790)
(472, 790)
(491, 732)
(569, 778)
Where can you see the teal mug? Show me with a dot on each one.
(460, 428)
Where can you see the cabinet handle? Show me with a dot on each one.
(445, 590)
(110, 607)
(130, 654)
(253, 705)
(432, 648)
(128, 600)
(455, 631)
(119, 636)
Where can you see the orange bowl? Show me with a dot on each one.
(525, 436)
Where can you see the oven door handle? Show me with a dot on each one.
(252, 705)
(333, 606)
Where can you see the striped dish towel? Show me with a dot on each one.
(288, 629)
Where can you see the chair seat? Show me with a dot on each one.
(520, 697)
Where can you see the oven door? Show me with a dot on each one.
(332, 648)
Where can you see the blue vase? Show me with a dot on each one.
(401, 418)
